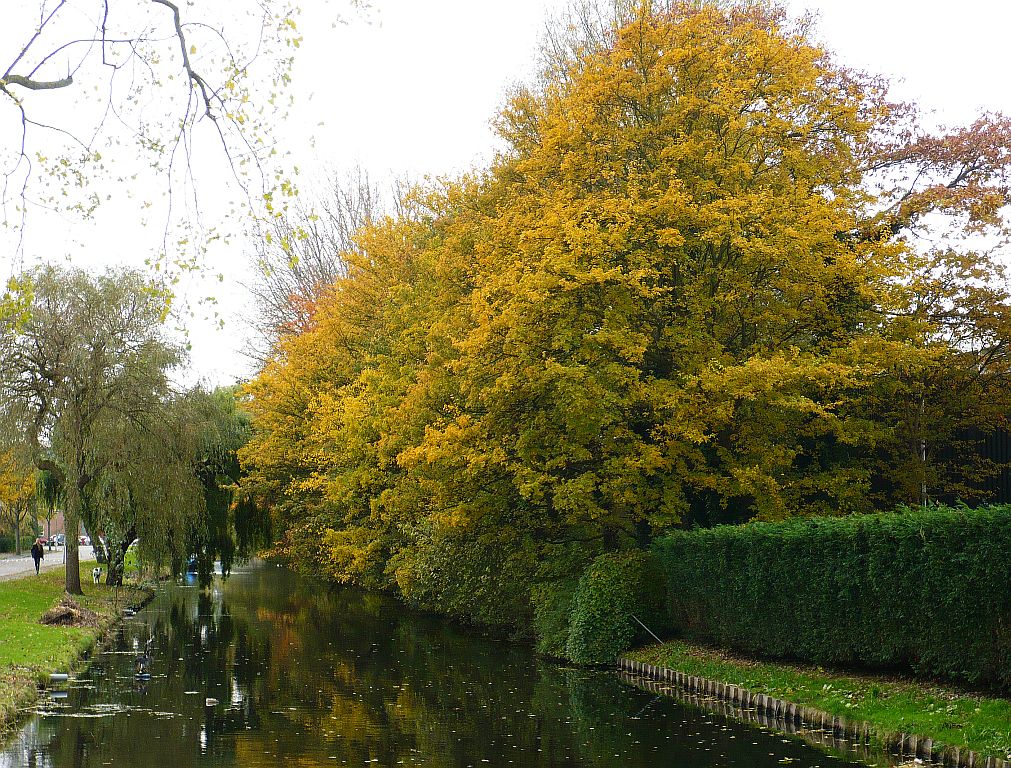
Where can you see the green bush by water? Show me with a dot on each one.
(926, 589)
(552, 603)
(480, 579)
(616, 587)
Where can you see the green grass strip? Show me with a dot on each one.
(30, 651)
(890, 704)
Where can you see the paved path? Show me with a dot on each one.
(15, 567)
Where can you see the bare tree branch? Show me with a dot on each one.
(36, 85)
(43, 23)
(195, 78)
(134, 67)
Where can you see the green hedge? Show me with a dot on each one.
(615, 588)
(926, 589)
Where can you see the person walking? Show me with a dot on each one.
(37, 553)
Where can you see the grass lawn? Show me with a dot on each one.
(30, 651)
(890, 704)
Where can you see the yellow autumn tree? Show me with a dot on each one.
(17, 495)
(325, 448)
(686, 293)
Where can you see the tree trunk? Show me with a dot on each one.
(117, 558)
(73, 579)
(643, 534)
(17, 535)
(114, 567)
(72, 524)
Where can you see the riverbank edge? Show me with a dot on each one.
(782, 714)
(26, 685)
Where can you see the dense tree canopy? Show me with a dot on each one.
(688, 292)
(86, 351)
(89, 401)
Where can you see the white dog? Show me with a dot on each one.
(96, 574)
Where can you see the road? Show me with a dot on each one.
(13, 567)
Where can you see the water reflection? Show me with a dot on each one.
(305, 676)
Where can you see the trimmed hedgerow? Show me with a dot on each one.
(616, 587)
(927, 590)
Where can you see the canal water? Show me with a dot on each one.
(307, 676)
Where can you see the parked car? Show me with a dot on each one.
(59, 539)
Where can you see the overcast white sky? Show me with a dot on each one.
(410, 90)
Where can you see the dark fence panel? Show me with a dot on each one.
(976, 467)
(997, 448)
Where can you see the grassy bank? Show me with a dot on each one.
(890, 704)
(30, 651)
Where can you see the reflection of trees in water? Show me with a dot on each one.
(305, 673)
(377, 682)
(383, 683)
(196, 645)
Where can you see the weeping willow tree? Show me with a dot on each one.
(224, 531)
(172, 482)
(50, 499)
(148, 488)
(86, 357)
(86, 386)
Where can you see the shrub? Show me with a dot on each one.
(477, 577)
(552, 615)
(927, 590)
(616, 587)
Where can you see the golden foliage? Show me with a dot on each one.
(675, 298)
